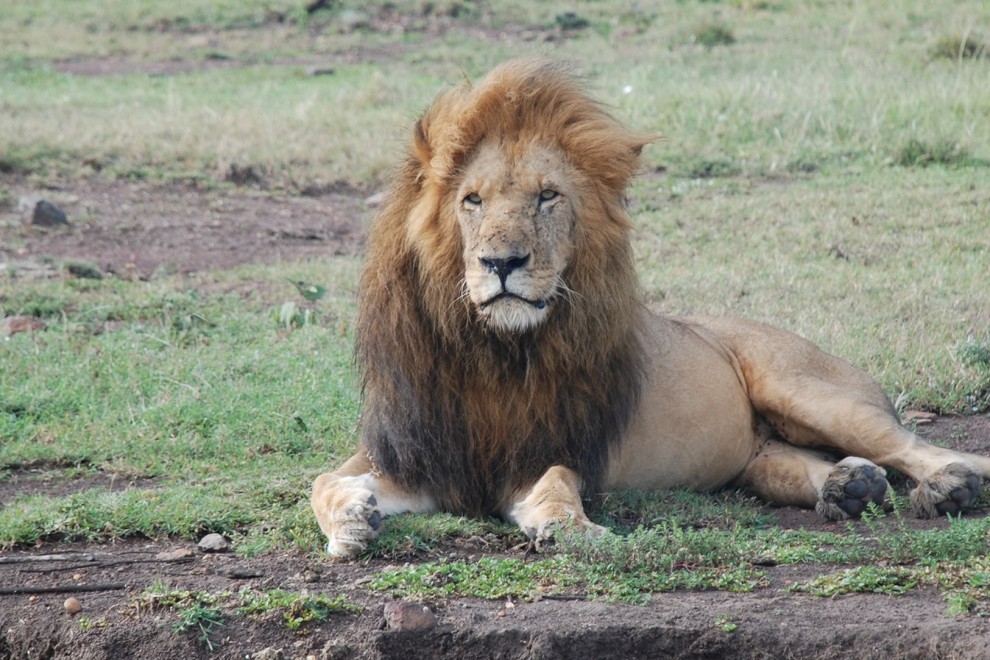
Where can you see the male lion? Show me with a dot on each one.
(509, 366)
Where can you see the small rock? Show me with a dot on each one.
(269, 653)
(336, 649)
(214, 543)
(307, 575)
(42, 213)
(14, 324)
(72, 606)
(239, 572)
(175, 555)
(403, 615)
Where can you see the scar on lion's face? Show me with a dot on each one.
(517, 219)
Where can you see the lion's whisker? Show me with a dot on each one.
(465, 292)
(569, 294)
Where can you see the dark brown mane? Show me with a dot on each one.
(450, 407)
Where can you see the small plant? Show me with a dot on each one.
(297, 609)
(956, 47)
(918, 153)
(712, 34)
(891, 581)
(569, 21)
(975, 354)
(292, 315)
(198, 617)
(725, 623)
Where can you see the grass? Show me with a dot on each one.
(683, 553)
(823, 168)
(202, 613)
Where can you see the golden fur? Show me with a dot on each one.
(510, 368)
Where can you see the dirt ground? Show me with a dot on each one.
(139, 230)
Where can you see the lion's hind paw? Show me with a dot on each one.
(853, 484)
(952, 489)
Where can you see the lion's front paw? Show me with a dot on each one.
(544, 533)
(952, 489)
(353, 525)
(853, 484)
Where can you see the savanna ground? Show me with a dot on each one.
(824, 168)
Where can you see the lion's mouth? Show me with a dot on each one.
(505, 295)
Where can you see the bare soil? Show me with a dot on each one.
(140, 230)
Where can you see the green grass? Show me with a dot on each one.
(682, 552)
(202, 613)
(823, 168)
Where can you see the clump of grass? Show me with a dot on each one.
(491, 578)
(713, 33)
(83, 270)
(888, 580)
(202, 612)
(198, 611)
(920, 153)
(297, 609)
(713, 168)
(959, 47)
(202, 620)
(975, 354)
(569, 21)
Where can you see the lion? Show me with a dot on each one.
(510, 368)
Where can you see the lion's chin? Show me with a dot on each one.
(508, 313)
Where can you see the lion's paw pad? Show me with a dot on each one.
(851, 487)
(358, 523)
(951, 490)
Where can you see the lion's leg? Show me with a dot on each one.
(552, 503)
(350, 502)
(783, 474)
(817, 400)
(820, 413)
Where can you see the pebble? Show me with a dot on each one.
(214, 543)
(72, 606)
(175, 555)
(41, 213)
(403, 615)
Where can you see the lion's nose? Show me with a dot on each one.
(503, 267)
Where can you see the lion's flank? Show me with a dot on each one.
(451, 407)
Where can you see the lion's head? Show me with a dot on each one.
(498, 323)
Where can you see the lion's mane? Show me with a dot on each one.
(450, 406)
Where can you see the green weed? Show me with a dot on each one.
(725, 623)
(201, 620)
(918, 153)
(891, 581)
(955, 47)
(297, 609)
(713, 33)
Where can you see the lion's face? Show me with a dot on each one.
(515, 207)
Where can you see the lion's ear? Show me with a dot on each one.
(421, 142)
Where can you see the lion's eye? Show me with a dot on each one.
(474, 199)
(548, 195)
